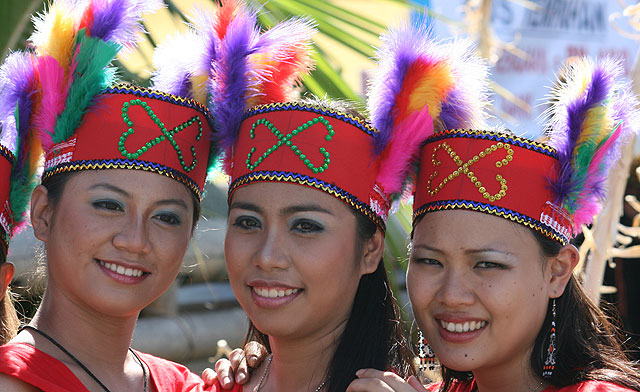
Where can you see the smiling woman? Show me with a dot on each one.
(491, 273)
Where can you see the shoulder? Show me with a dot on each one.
(592, 386)
(25, 368)
(167, 374)
(12, 384)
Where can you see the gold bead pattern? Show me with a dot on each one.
(464, 169)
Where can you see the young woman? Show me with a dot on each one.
(501, 307)
(408, 91)
(123, 177)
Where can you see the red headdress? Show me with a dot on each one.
(551, 188)
(86, 122)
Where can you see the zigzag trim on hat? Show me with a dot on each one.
(443, 205)
(101, 164)
(498, 137)
(295, 178)
(4, 152)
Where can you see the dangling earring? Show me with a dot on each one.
(550, 361)
(428, 360)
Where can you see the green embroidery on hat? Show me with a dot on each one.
(166, 134)
(286, 141)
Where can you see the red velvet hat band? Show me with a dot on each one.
(310, 146)
(6, 218)
(134, 128)
(493, 173)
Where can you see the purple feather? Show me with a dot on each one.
(17, 86)
(231, 84)
(119, 20)
(463, 106)
(565, 139)
(400, 47)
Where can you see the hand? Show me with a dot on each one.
(372, 380)
(238, 364)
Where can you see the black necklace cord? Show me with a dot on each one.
(82, 365)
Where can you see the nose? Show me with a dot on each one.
(272, 252)
(455, 289)
(133, 237)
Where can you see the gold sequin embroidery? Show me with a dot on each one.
(464, 169)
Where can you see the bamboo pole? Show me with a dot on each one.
(605, 228)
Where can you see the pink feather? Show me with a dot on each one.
(53, 99)
(396, 158)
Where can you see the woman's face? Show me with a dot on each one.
(479, 289)
(293, 258)
(116, 238)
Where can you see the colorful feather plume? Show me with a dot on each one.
(234, 66)
(592, 112)
(75, 42)
(421, 82)
(18, 99)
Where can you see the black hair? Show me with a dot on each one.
(374, 335)
(589, 344)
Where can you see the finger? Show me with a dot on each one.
(255, 353)
(235, 358)
(416, 384)
(368, 385)
(209, 376)
(389, 380)
(239, 365)
(223, 368)
(375, 373)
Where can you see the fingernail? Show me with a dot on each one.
(359, 372)
(241, 376)
(226, 380)
(252, 360)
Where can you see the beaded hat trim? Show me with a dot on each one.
(5, 153)
(444, 205)
(135, 128)
(493, 173)
(295, 178)
(129, 164)
(279, 106)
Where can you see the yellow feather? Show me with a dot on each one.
(596, 127)
(431, 90)
(57, 35)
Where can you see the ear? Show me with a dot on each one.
(561, 268)
(6, 274)
(374, 248)
(41, 213)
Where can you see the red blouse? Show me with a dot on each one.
(35, 367)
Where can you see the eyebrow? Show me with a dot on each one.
(110, 187)
(113, 188)
(285, 211)
(467, 251)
